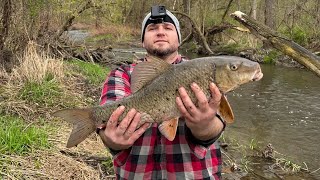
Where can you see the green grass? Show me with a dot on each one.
(288, 165)
(108, 164)
(45, 94)
(17, 137)
(95, 73)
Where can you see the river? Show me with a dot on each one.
(283, 109)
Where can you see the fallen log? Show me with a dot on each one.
(287, 46)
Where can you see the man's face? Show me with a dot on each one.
(161, 39)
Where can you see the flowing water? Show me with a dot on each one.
(283, 109)
(77, 35)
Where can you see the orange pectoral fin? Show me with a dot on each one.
(225, 110)
(169, 128)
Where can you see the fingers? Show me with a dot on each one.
(183, 111)
(124, 124)
(204, 108)
(139, 132)
(185, 104)
(215, 96)
(133, 125)
(186, 101)
(123, 135)
(113, 120)
(201, 97)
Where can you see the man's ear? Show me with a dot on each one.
(143, 44)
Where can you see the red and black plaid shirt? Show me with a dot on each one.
(152, 156)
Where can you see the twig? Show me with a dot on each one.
(230, 37)
(89, 55)
(315, 171)
(100, 170)
(227, 156)
(307, 169)
(27, 126)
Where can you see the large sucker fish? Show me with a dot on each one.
(154, 87)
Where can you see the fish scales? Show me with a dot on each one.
(157, 100)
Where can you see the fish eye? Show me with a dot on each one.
(233, 67)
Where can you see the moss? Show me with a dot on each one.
(271, 57)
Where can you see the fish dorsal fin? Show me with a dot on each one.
(225, 110)
(169, 128)
(145, 72)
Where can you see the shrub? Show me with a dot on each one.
(271, 57)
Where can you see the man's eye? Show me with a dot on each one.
(168, 27)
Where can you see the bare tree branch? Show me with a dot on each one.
(226, 11)
(69, 21)
(188, 38)
(197, 31)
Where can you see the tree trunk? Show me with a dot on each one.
(254, 9)
(269, 18)
(186, 6)
(318, 12)
(97, 16)
(269, 14)
(5, 58)
(136, 12)
(5, 22)
(288, 47)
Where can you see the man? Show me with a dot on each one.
(143, 153)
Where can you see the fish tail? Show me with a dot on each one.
(83, 124)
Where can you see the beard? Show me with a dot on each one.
(159, 52)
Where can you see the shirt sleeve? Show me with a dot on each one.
(206, 143)
(117, 85)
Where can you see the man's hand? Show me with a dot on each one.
(122, 136)
(201, 119)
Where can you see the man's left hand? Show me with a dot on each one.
(201, 119)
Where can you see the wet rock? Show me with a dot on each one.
(268, 152)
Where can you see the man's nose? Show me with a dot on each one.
(160, 30)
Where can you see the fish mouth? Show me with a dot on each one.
(257, 76)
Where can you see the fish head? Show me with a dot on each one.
(232, 71)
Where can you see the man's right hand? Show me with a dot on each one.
(122, 136)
